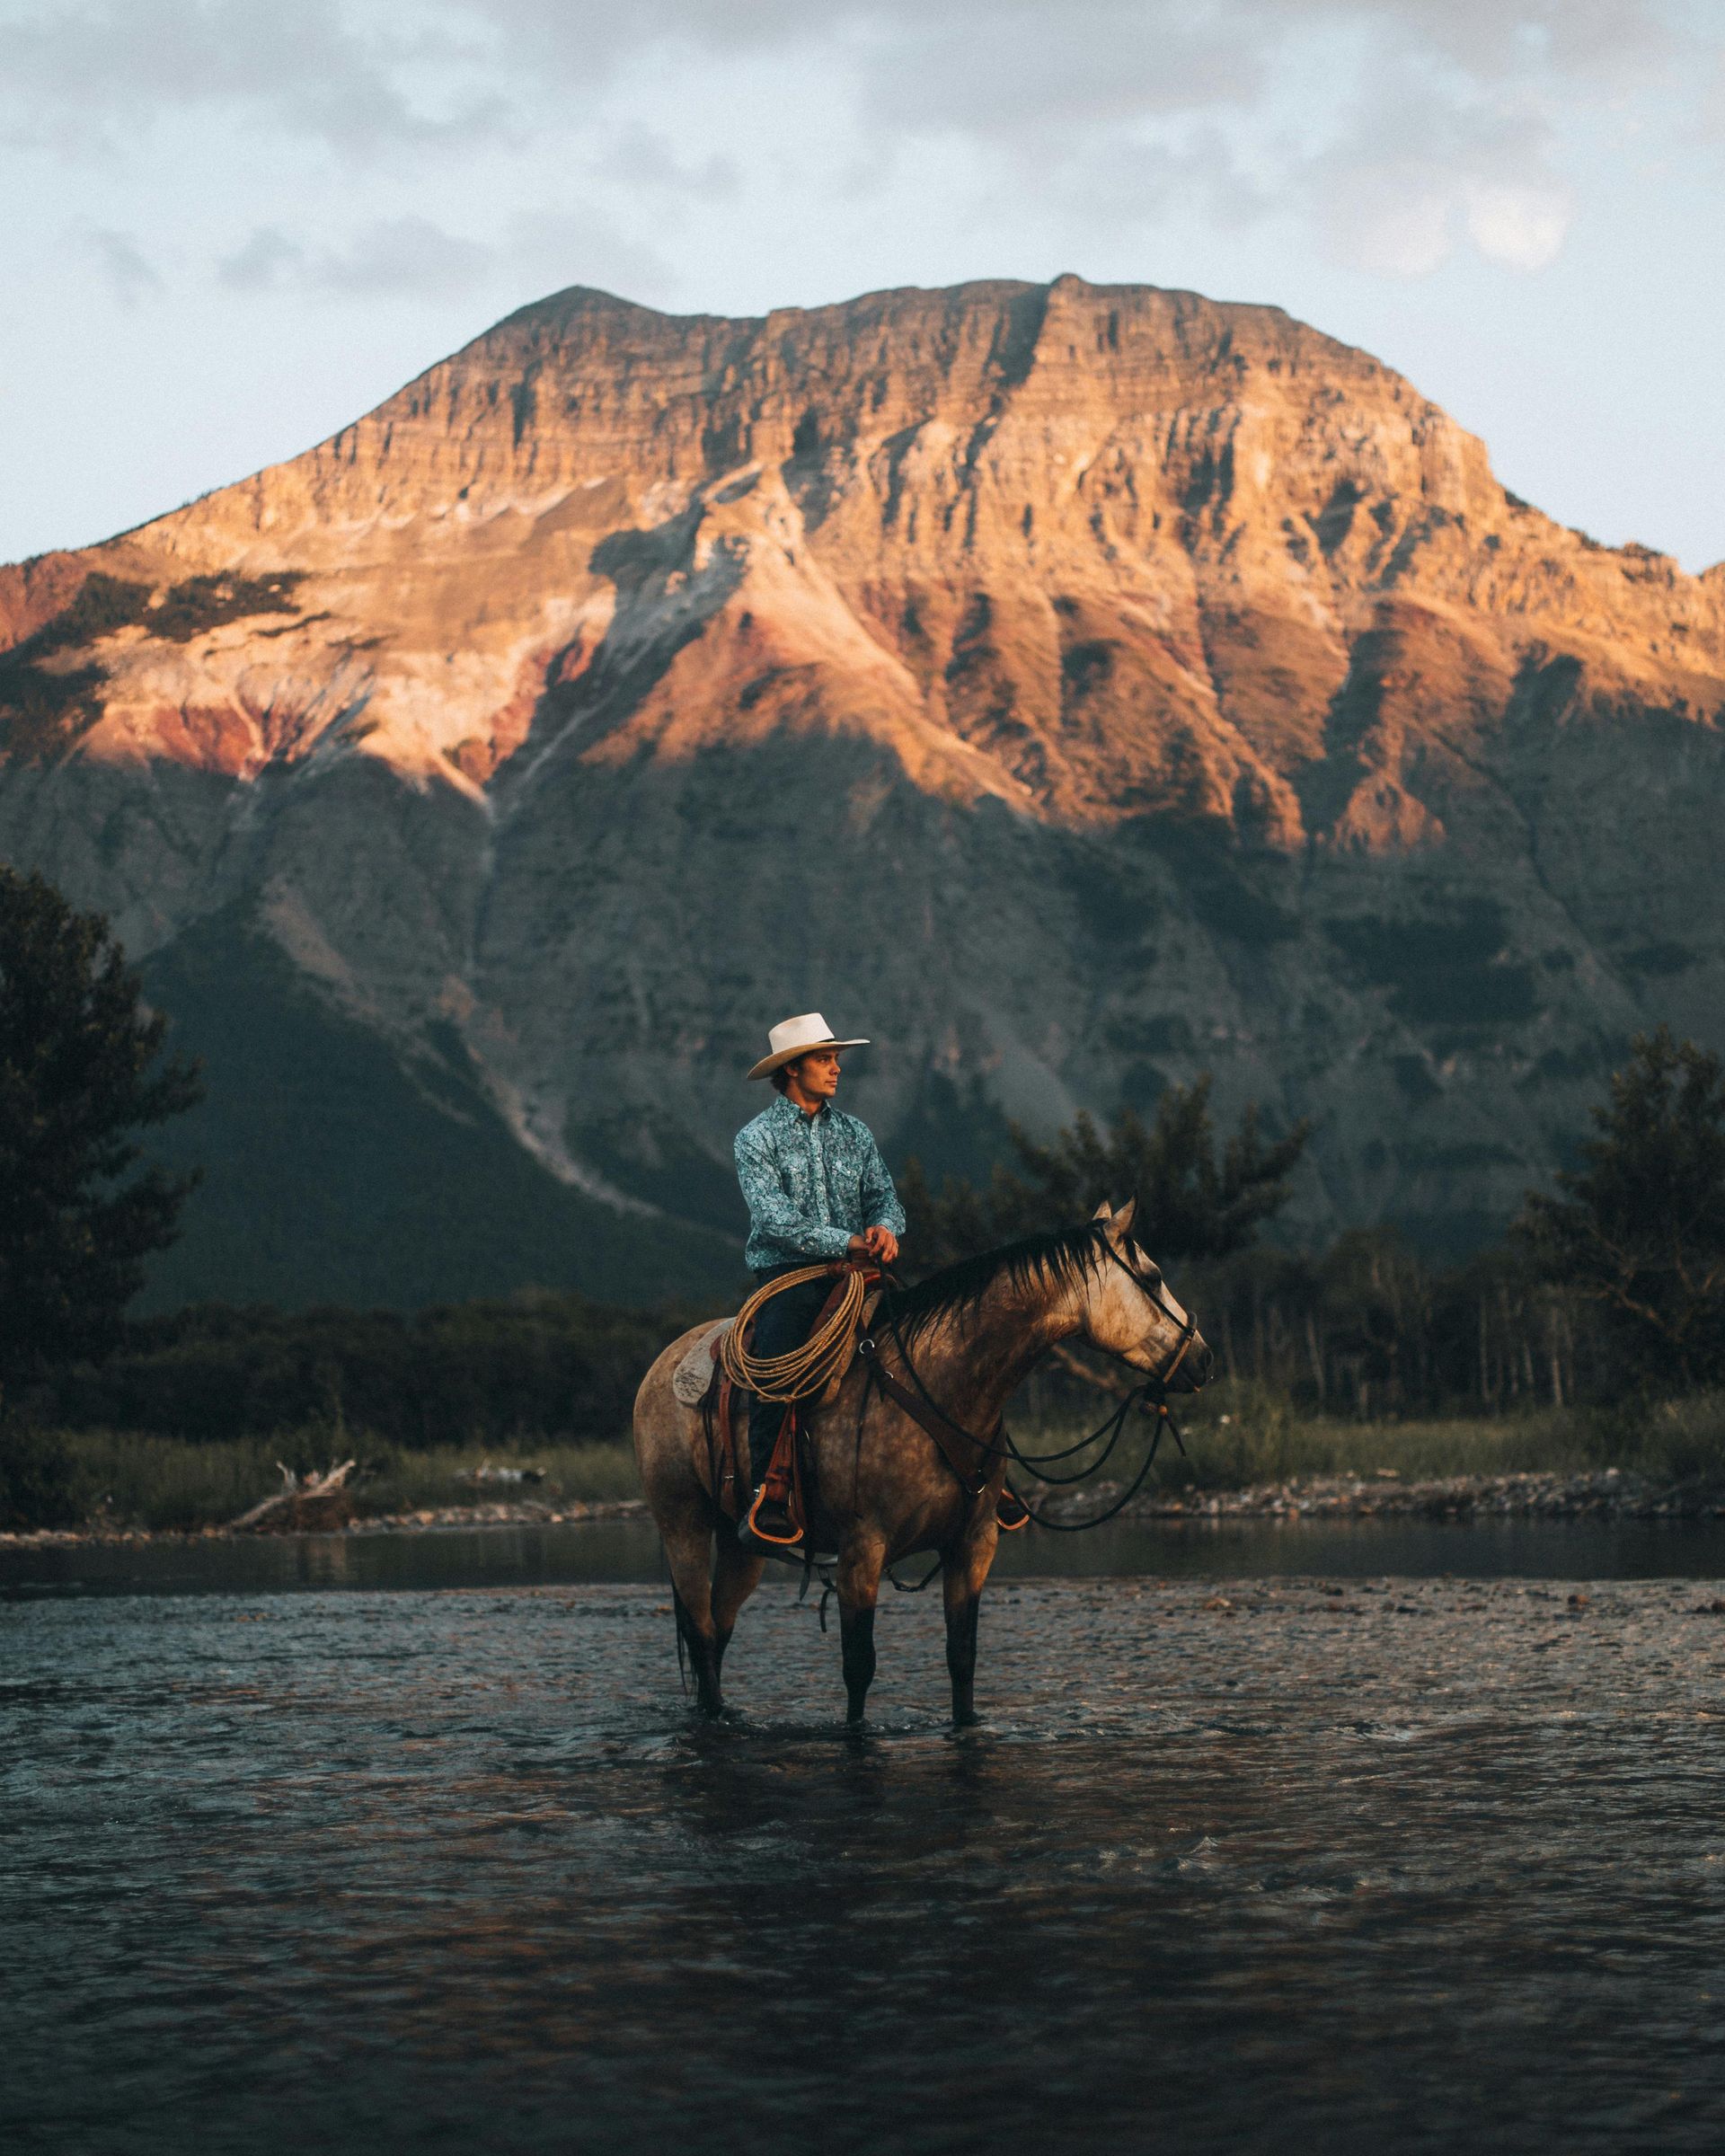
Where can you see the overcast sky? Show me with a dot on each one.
(227, 226)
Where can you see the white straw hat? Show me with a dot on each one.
(796, 1036)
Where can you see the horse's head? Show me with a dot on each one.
(1128, 1311)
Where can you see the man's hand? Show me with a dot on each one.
(882, 1244)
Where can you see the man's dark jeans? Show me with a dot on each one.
(785, 1322)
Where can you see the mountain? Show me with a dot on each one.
(1075, 688)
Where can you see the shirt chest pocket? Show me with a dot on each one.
(801, 1178)
(820, 1181)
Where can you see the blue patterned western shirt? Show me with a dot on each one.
(810, 1183)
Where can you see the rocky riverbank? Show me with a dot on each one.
(522, 1513)
(1606, 1493)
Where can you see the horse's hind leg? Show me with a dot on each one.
(688, 1547)
(736, 1574)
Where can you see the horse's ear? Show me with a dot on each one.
(1103, 1212)
(1121, 1226)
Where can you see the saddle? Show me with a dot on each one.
(700, 1382)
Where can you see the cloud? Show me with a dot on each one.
(358, 73)
(1412, 178)
(393, 257)
(1395, 220)
(546, 250)
(267, 259)
(390, 258)
(641, 158)
(1408, 219)
(1230, 109)
(1518, 226)
(412, 257)
(1401, 131)
(129, 272)
(1085, 63)
(109, 69)
(1712, 101)
(406, 255)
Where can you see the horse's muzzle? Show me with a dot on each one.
(1197, 1368)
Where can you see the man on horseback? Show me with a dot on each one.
(816, 1188)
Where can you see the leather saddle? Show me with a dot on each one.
(699, 1381)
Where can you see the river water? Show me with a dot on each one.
(1307, 1854)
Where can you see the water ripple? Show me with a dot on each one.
(1423, 1865)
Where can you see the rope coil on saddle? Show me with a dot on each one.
(823, 1356)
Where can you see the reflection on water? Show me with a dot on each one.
(1269, 1865)
(617, 1551)
(596, 1551)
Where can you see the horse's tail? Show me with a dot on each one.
(679, 1618)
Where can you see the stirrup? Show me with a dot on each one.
(750, 1525)
(1011, 1511)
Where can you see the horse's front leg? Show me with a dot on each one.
(964, 1572)
(858, 1590)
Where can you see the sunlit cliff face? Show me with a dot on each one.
(1157, 686)
(1097, 551)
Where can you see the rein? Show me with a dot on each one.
(949, 1437)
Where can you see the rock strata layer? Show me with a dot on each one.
(1074, 688)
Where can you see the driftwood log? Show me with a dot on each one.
(307, 1504)
(1103, 1381)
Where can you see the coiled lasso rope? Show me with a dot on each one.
(807, 1369)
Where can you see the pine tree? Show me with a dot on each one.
(1639, 1230)
(78, 1076)
(1193, 1203)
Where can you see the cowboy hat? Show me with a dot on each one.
(795, 1036)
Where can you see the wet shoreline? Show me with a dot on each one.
(1605, 1494)
(572, 1515)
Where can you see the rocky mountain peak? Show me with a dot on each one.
(1195, 651)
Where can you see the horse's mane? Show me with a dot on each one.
(1057, 1259)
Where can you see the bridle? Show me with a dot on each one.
(1188, 1331)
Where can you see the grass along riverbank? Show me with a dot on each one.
(1240, 1441)
(1239, 1437)
(1249, 1451)
(116, 1480)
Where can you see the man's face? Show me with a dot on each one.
(814, 1077)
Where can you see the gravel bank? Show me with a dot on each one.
(1607, 1493)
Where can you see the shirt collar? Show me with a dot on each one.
(787, 1112)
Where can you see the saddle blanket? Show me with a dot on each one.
(694, 1375)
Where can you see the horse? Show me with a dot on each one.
(882, 1488)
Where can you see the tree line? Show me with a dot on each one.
(532, 1366)
(1612, 1282)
